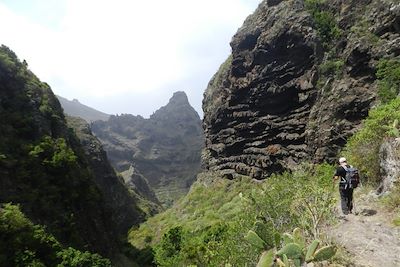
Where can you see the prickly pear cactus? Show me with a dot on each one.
(293, 252)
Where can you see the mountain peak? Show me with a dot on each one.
(179, 97)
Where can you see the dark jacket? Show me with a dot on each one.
(341, 172)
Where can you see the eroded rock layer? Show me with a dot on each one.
(294, 88)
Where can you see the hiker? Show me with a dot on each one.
(349, 180)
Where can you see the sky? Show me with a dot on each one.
(123, 56)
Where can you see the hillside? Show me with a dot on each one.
(165, 148)
(60, 183)
(76, 109)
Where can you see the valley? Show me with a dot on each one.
(249, 184)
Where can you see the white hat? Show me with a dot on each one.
(341, 160)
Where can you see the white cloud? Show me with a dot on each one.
(105, 48)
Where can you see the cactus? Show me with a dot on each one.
(291, 250)
(292, 253)
(280, 262)
(324, 253)
(254, 239)
(263, 232)
(298, 238)
(311, 250)
(277, 239)
(266, 259)
(287, 238)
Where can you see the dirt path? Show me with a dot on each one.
(369, 235)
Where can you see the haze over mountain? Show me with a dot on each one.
(75, 109)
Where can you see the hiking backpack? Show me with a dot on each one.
(352, 177)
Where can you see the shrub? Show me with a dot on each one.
(332, 67)
(362, 149)
(24, 244)
(324, 20)
(54, 153)
(388, 74)
(71, 257)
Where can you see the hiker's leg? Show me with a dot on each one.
(343, 201)
(350, 199)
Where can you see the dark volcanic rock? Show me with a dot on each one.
(273, 104)
(165, 148)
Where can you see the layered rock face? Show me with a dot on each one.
(165, 149)
(292, 90)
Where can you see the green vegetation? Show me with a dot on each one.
(208, 226)
(388, 74)
(362, 31)
(293, 251)
(362, 149)
(332, 67)
(42, 164)
(382, 122)
(26, 244)
(54, 153)
(324, 20)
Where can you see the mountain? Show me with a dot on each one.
(301, 77)
(75, 109)
(59, 178)
(165, 148)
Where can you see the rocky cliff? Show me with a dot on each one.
(301, 77)
(58, 183)
(165, 149)
(123, 203)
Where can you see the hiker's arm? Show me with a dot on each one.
(336, 176)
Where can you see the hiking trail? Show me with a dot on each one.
(369, 235)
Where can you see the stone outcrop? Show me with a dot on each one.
(286, 95)
(165, 148)
(389, 157)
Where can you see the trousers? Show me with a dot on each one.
(346, 200)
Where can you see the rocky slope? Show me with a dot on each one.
(165, 148)
(76, 109)
(115, 192)
(300, 79)
(58, 183)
